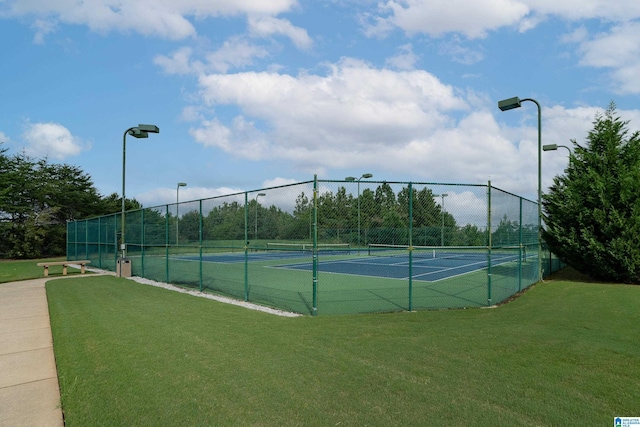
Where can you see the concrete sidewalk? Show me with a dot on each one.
(29, 392)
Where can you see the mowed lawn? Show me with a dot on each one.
(565, 353)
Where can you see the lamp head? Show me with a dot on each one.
(550, 147)
(149, 128)
(261, 194)
(509, 104)
(367, 175)
(182, 184)
(350, 178)
(137, 133)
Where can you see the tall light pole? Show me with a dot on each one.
(180, 184)
(140, 131)
(353, 178)
(443, 195)
(255, 236)
(509, 104)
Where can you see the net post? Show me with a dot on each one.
(315, 246)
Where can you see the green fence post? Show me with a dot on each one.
(86, 239)
(315, 246)
(410, 247)
(166, 241)
(142, 241)
(489, 243)
(246, 246)
(200, 244)
(75, 243)
(115, 242)
(520, 250)
(99, 242)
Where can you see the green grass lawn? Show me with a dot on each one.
(12, 270)
(566, 353)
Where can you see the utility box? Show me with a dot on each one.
(123, 267)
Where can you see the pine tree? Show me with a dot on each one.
(593, 210)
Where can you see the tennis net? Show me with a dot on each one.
(337, 248)
(446, 252)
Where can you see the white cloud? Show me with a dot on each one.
(405, 59)
(51, 140)
(473, 18)
(161, 18)
(42, 28)
(242, 138)
(398, 122)
(578, 35)
(266, 26)
(277, 182)
(310, 117)
(234, 53)
(178, 63)
(618, 50)
(574, 10)
(459, 53)
(167, 196)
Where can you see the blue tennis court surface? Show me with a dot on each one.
(428, 269)
(397, 267)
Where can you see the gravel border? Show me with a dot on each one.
(225, 300)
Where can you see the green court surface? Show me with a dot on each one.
(346, 283)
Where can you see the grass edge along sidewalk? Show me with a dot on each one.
(565, 353)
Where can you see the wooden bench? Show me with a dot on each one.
(64, 265)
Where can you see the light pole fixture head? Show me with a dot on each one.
(137, 133)
(261, 194)
(509, 104)
(367, 175)
(350, 178)
(550, 147)
(444, 195)
(149, 128)
(182, 184)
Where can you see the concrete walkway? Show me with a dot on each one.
(29, 392)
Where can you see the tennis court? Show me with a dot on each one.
(378, 278)
(428, 264)
(332, 247)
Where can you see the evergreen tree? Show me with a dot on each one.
(37, 198)
(593, 210)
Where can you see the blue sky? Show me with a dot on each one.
(254, 93)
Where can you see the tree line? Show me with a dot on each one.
(38, 197)
(378, 216)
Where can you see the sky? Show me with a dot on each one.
(251, 94)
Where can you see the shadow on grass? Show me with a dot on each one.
(569, 274)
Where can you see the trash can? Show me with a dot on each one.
(123, 267)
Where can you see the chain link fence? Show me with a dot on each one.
(333, 247)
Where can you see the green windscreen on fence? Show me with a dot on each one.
(333, 247)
